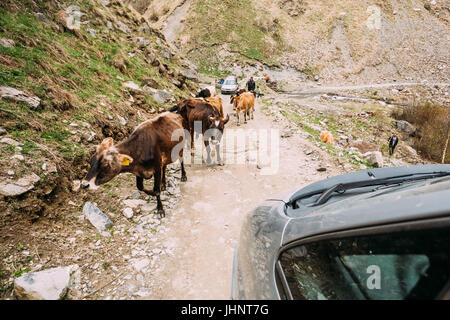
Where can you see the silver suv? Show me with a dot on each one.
(230, 85)
(374, 234)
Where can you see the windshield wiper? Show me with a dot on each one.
(342, 187)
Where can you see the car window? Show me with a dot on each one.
(230, 82)
(414, 265)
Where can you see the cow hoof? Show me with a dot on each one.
(183, 178)
(161, 214)
(163, 188)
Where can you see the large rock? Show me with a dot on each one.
(98, 219)
(131, 85)
(7, 43)
(10, 93)
(161, 96)
(374, 158)
(122, 27)
(190, 74)
(11, 142)
(51, 284)
(18, 187)
(166, 52)
(405, 126)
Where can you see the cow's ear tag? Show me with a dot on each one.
(126, 162)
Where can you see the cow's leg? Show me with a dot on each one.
(192, 139)
(237, 115)
(157, 191)
(245, 116)
(183, 172)
(164, 186)
(140, 186)
(208, 152)
(219, 159)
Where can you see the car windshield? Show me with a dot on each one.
(417, 267)
(230, 82)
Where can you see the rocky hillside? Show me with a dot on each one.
(70, 76)
(335, 41)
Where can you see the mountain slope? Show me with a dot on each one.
(87, 78)
(339, 41)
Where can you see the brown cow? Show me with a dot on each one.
(196, 110)
(216, 102)
(145, 153)
(244, 102)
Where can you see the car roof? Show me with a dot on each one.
(422, 200)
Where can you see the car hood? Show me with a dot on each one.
(377, 173)
(423, 200)
(229, 86)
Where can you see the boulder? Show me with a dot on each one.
(95, 216)
(10, 93)
(134, 203)
(18, 187)
(11, 142)
(122, 27)
(128, 213)
(161, 96)
(51, 284)
(166, 52)
(374, 158)
(190, 74)
(7, 43)
(406, 127)
(131, 85)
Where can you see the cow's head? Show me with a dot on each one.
(218, 122)
(235, 100)
(106, 163)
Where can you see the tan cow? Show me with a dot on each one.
(327, 137)
(244, 102)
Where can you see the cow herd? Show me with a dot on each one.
(152, 146)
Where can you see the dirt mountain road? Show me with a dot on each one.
(215, 200)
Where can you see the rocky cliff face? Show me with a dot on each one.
(338, 41)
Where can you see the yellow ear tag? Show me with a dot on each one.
(126, 162)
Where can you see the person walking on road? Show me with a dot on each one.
(393, 141)
(251, 85)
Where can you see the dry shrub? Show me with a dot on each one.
(433, 124)
(61, 99)
(154, 16)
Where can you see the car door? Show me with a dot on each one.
(393, 263)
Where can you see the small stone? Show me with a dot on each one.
(76, 184)
(128, 213)
(98, 219)
(7, 43)
(10, 172)
(51, 284)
